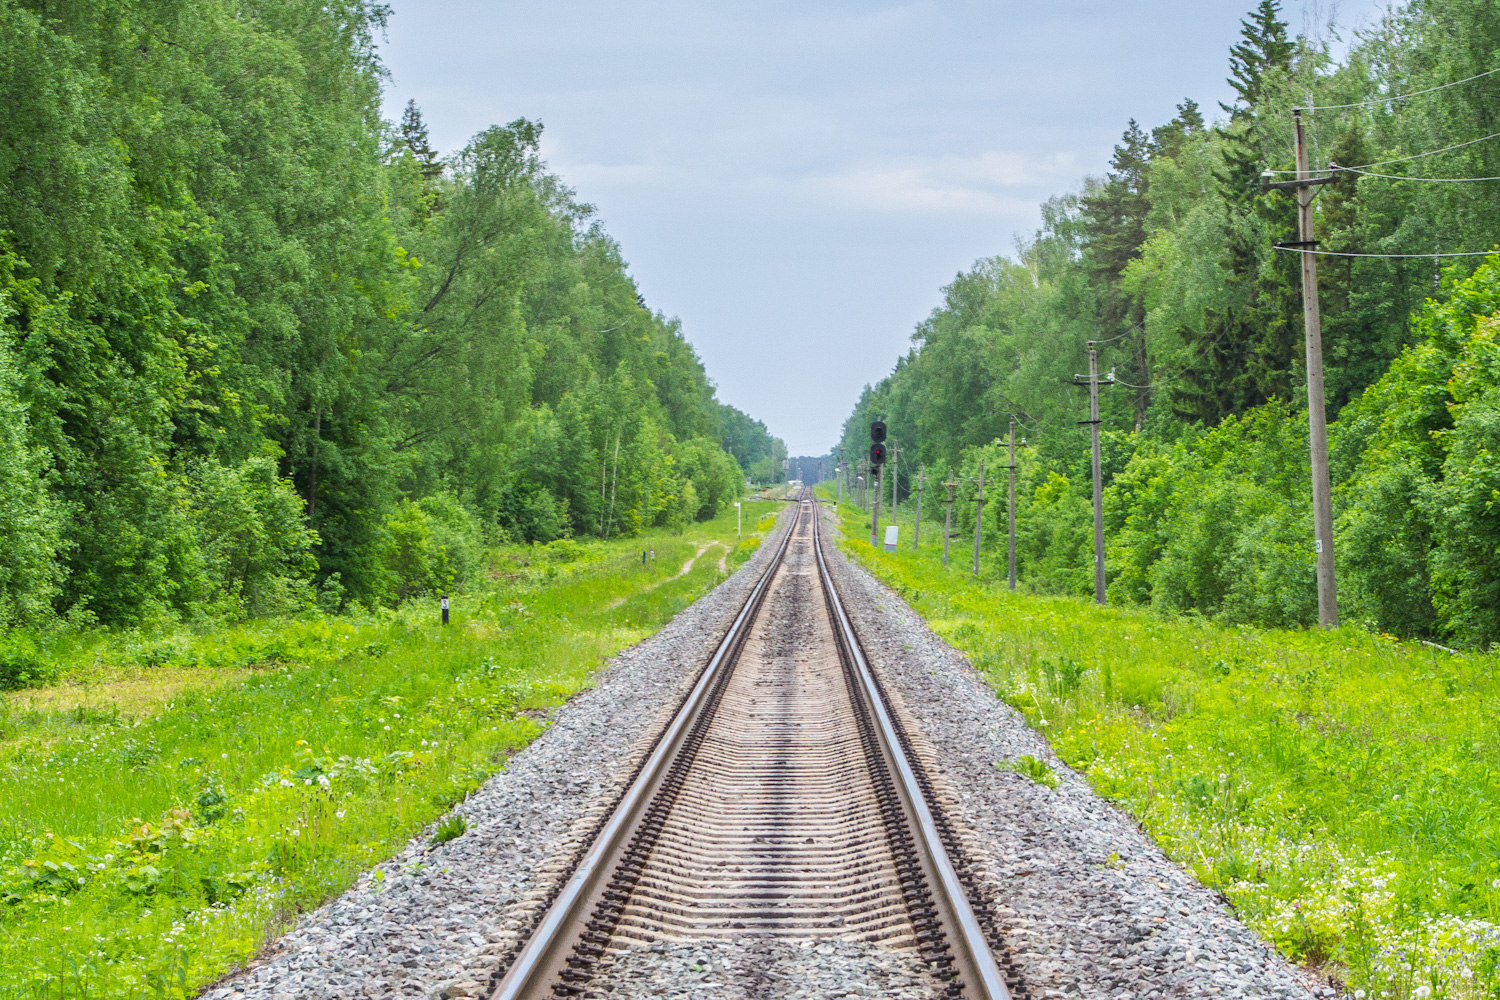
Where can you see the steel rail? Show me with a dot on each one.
(545, 950)
(978, 970)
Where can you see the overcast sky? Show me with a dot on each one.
(797, 181)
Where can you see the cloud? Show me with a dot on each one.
(990, 183)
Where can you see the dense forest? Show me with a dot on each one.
(1169, 263)
(261, 349)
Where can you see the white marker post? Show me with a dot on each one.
(739, 519)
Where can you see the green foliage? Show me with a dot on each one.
(453, 826)
(432, 546)
(245, 325)
(1418, 504)
(1039, 771)
(22, 661)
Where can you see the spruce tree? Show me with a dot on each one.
(1244, 355)
(414, 131)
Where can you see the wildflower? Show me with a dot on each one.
(1422, 991)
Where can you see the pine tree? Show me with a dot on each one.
(1116, 226)
(414, 131)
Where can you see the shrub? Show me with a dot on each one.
(23, 662)
(432, 545)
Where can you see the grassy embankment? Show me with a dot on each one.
(178, 797)
(1341, 789)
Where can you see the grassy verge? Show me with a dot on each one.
(1341, 789)
(176, 798)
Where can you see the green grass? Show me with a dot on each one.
(1342, 789)
(147, 848)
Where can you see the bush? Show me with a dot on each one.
(254, 548)
(432, 545)
(23, 662)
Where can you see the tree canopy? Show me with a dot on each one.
(1168, 263)
(256, 343)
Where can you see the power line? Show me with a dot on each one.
(1403, 177)
(1340, 253)
(1430, 152)
(1402, 97)
(1414, 156)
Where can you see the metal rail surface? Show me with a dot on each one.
(782, 801)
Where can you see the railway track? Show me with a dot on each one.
(782, 801)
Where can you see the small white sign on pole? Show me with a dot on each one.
(891, 531)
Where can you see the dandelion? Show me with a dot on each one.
(1422, 991)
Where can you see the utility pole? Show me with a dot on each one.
(1093, 383)
(895, 463)
(1317, 416)
(916, 532)
(978, 518)
(1011, 504)
(948, 514)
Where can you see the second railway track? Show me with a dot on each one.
(782, 801)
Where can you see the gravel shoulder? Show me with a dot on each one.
(1090, 906)
(437, 922)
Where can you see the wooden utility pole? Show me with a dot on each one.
(895, 459)
(916, 532)
(1093, 383)
(1317, 416)
(1010, 508)
(951, 483)
(978, 518)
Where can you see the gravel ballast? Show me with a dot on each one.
(1089, 905)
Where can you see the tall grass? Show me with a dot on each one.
(142, 854)
(1342, 789)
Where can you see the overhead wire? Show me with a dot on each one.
(1342, 253)
(1414, 156)
(1404, 177)
(1402, 97)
